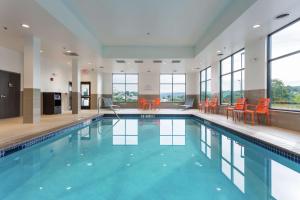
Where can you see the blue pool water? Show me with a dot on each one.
(174, 158)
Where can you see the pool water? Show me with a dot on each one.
(166, 158)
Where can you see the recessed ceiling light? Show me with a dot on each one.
(283, 15)
(256, 26)
(219, 51)
(68, 51)
(69, 63)
(41, 51)
(25, 26)
(89, 63)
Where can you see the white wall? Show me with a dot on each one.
(11, 60)
(256, 64)
(61, 74)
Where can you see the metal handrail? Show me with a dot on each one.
(98, 106)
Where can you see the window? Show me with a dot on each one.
(232, 77)
(125, 88)
(284, 67)
(172, 87)
(205, 84)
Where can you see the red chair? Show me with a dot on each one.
(213, 105)
(239, 105)
(155, 103)
(143, 104)
(261, 109)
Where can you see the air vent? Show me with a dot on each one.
(220, 54)
(283, 15)
(157, 61)
(176, 61)
(120, 61)
(139, 61)
(71, 54)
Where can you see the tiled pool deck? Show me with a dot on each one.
(13, 131)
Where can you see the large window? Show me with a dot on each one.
(284, 67)
(172, 87)
(232, 77)
(125, 87)
(205, 84)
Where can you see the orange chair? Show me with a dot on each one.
(239, 105)
(155, 103)
(261, 109)
(143, 104)
(213, 105)
(201, 105)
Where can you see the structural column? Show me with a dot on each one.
(32, 91)
(75, 86)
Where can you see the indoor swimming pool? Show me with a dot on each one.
(148, 158)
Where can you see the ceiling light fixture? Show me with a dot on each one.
(41, 51)
(25, 26)
(68, 51)
(256, 26)
(219, 51)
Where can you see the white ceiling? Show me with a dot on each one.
(54, 36)
(127, 22)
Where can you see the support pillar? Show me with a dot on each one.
(75, 86)
(32, 90)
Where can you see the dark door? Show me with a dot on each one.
(85, 89)
(9, 94)
(70, 95)
(4, 76)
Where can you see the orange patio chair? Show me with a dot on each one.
(155, 103)
(143, 104)
(261, 109)
(239, 105)
(213, 105)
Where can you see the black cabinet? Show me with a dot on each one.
(9, 94)
(51, 103)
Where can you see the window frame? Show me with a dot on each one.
(231, 73)
(270, 60)
(205, 82)
(125, 83)
(173, 86)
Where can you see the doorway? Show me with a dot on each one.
(85, 90)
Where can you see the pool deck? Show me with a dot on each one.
(13, 131)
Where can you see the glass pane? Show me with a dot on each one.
(179, 78)
(85, 102)
(131, 92)
(237, 85)
(179, 127)
(285, 91)
(226, 65)
(119, 92)
(208, 76)
(85, 89)
(166, 78)
(203, 90)
(208, 90)
(179, 92)
(131, 78)
(166, 92)
(118, 78)
(165, 126)
(226, 89)
(286, 40)
(203, 78)
(238, 60)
